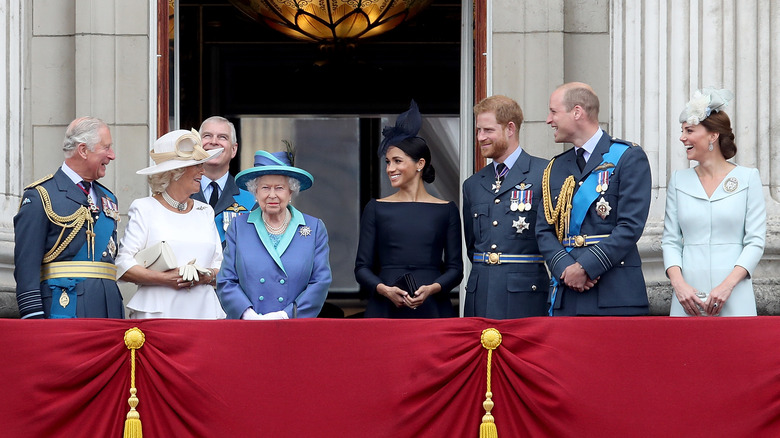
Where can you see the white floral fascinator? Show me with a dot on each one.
(703, 103)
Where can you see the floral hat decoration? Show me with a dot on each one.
(177, 149)
(703, 103)
(407, 125)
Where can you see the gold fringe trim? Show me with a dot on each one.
(491, 339)
(75, 221)
(134, 339)
(559, 216)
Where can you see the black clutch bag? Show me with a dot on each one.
(406, 283)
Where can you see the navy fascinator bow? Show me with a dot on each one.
(407, 125)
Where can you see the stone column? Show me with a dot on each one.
(11, 84)
(662, 52)
(66, 59)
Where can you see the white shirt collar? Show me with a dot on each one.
(205, 181)
(511, 159)
(590, 145)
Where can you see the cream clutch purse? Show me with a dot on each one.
(158, 257)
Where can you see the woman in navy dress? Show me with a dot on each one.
(409, 233)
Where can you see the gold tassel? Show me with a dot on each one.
(134, 339)
(491, 339)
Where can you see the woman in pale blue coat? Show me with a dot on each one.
(715, 224)
(275, 262)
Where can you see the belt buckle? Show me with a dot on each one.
(579, 241)
(493, 258)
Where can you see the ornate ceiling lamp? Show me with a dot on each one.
(331, 22)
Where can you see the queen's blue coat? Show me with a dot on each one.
(255, 274)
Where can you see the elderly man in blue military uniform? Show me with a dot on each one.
(596, 197)
(217, 186)
(65, 233)
(508, 278)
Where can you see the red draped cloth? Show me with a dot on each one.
(551, 377)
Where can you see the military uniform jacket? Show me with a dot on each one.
(614, 260)
(35, 235)
(490, 224)
(231, 203)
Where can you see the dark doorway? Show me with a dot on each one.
(235, 67)
(232, 65)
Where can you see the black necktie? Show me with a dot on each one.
(86, 185)
(214, 194)
(500, 167)
(581, 158)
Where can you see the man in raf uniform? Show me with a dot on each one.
(508, 278)
(218, 187)
(596, 197)
(65, 233)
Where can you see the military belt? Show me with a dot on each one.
(583, 240)
(497, 258)
(82, 269)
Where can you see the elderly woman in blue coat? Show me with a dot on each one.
(275, 262)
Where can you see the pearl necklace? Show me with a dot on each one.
(181, 206)
(280, 229)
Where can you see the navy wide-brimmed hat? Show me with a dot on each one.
(277, 163)
(407, 125)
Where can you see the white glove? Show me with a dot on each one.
(189, 272)
(281, 314)
(250, 314)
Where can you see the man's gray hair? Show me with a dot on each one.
(82, 130)
(233, 139)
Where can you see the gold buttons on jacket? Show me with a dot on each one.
(493, 246)
(533, 287)
(497, 201)
(495, 223)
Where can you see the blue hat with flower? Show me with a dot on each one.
(277, 163)
(703, 103)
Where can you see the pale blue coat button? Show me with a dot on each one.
(281, 299)
(281, 281)
(261, 298)
(262, 280)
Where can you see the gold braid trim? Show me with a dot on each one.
(75, 221)
(560, 215)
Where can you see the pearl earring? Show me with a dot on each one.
(419, 170)
(711, 147)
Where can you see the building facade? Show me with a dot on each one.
(67, 58)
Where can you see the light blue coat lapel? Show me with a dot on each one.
(689, 183)
(255, 218)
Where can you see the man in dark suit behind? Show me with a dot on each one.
(595, 203)
(217, 186)
(508, 278)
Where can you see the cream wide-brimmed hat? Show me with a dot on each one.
(177, 149)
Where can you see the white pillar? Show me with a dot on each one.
(662, 52)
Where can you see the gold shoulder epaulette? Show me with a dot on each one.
(40, 181)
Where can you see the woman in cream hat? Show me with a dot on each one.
(169, 219)
(715, 223)
(276, 258)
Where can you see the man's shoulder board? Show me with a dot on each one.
(104, 188)
(40, 181)
(625, 142)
